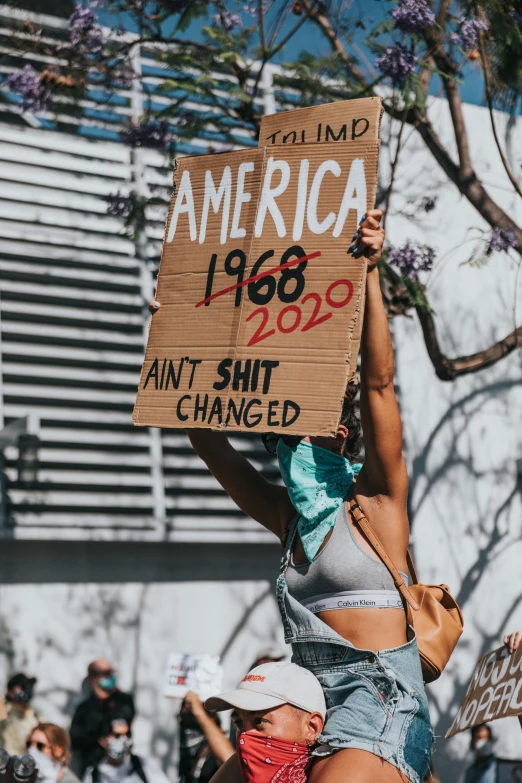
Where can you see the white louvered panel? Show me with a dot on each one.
(99, 278)
(73, 238)
(71, 417)
(68, 292)
(73, 320)
(63, 253)
(104, 358)
(110, 318)
(33, 372)
(93, 336)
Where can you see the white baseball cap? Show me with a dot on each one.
(272, 685)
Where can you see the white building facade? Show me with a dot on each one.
(115, 541)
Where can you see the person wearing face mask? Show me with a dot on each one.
(119, 764)
(21, 718)
(341, 610)
(484, 767)
(278, 711)
(49, 746)
(105, 701)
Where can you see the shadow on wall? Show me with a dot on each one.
(465, 507)
(54, 628)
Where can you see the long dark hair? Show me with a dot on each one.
(349, 417)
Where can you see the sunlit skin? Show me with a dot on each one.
(481, 734)
(285, 722)
(119, 729)
(39, 741)
(103, 668)
(381, 491)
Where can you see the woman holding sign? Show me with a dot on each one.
(339, 605)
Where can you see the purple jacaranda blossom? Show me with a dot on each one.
(396, 63)
(27, 83)
(467, 31)
(85, 34)
(120, 204)
(227, 20)
(516, 16)
(501, 239)
(412, 16)
(410, 259)
(154, 134)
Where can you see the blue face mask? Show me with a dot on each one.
(318, 483)
(107, 683)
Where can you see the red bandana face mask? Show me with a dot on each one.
(264, 759)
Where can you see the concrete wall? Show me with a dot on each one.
(63, 604)
(463, 439)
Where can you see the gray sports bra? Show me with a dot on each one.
(342, 575)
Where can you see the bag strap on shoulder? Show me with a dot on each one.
(369, 533)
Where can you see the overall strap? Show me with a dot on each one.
(288, 541)
(137, 767)
(369, 533)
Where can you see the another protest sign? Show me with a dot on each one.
(495, 691)
(202, 674)
(509, 771)
(260, 303)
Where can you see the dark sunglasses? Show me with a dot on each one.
(38, 745)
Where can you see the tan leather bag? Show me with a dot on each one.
(430, 609)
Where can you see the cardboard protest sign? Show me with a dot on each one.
(260, 303)
(495, 691)
(202, 674)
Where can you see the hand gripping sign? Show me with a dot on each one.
(495, 691)
(260, 304)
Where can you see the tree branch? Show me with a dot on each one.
(448, 69)
(448, 369)
(463, 176)
(482, 50)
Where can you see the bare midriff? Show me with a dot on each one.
(368, 629)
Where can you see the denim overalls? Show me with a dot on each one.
(375, 701)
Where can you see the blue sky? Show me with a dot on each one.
(309, 38)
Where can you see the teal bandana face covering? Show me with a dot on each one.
(318, 482)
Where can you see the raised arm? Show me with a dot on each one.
(384, 471)
(267, 503)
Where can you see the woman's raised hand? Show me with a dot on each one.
(512, 641)
(369, 238)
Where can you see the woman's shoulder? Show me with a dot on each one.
(68, 776)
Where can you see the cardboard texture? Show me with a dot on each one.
(495, 691)
(248, 337)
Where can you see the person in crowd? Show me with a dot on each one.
(363, 651)
(203, 747)
(105, 701)
(21, 718)
(279, 711)
(49, 745)
(484, 766)
(269, 655)
(118, 764)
